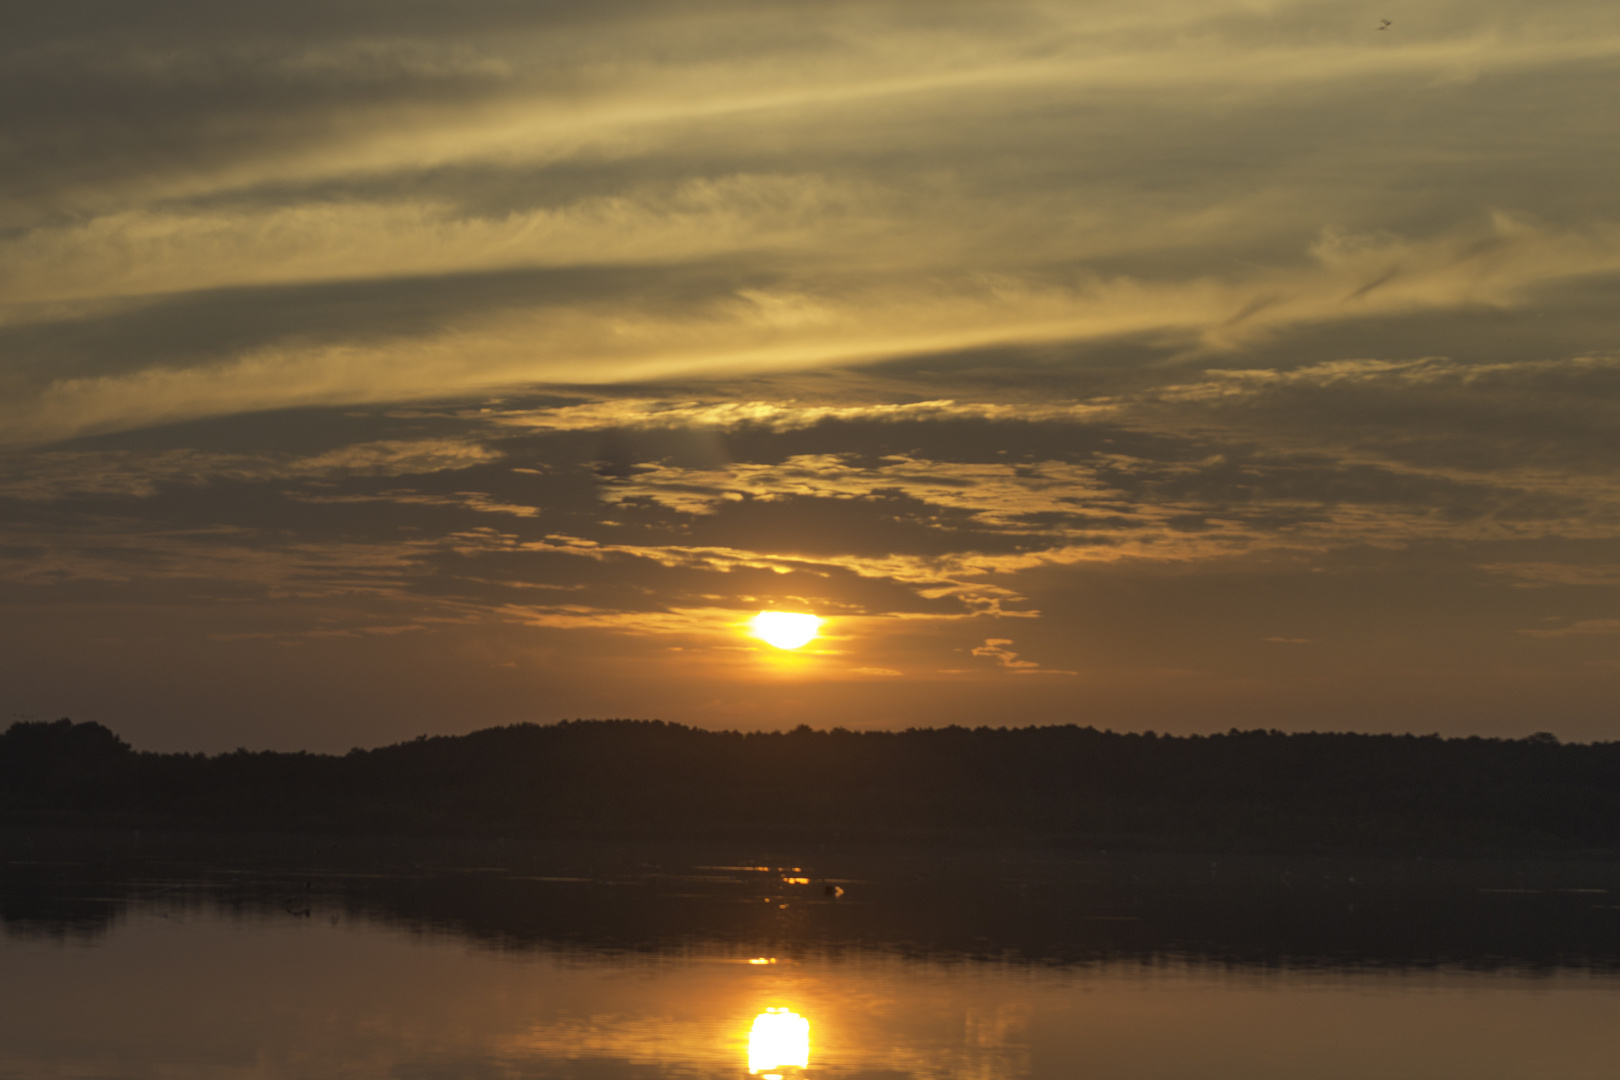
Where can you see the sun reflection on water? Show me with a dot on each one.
(779, 1039)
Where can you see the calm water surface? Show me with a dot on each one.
(346, 961)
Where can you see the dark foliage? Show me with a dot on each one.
(1065, 784)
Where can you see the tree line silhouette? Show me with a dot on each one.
(1061, 784)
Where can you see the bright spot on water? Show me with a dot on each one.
(785, 629)
(780, 1039)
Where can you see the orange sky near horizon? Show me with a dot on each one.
(378, 369)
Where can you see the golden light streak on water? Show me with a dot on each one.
(779, 1039)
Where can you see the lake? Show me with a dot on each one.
(135, 956)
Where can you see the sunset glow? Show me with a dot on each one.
(785, 629)
(1066, 539)
(384, 366)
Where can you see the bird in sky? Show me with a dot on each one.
(1386, 24)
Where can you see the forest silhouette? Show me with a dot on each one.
(1064, 785)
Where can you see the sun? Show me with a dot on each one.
(786, 629)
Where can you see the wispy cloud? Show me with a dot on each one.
(996, 649)
(794, 189)
(551, 341)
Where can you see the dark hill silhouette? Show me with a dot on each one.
(1048, 784)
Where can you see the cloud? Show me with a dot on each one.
(211, 216)
(944, 509)
(61, 474)
(1541, 575)
(1578, 628)
(996, 649)
(856, 321)
(572, 334)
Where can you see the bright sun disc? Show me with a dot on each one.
(785, 629)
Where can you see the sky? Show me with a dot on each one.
(371, 369)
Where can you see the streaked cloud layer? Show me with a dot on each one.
(423, 366)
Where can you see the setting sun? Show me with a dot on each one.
(785, 629)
